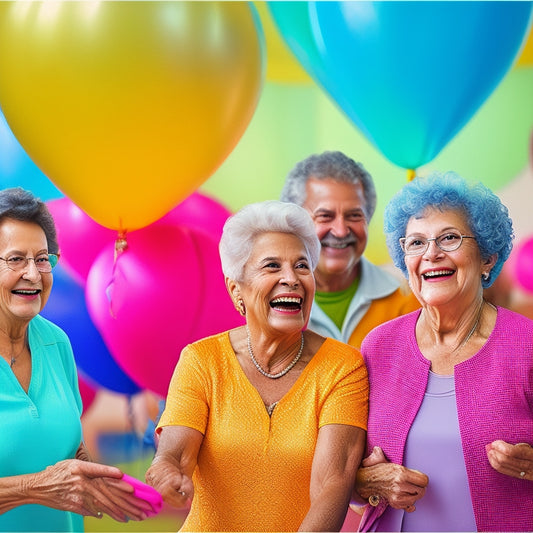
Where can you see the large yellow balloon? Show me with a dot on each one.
(129, 106)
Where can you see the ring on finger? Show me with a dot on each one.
(374, 500)
(522, 474)
(99, 514)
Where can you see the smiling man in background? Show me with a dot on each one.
(353, 295)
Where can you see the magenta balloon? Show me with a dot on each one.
(146, 304)
(154, 300)
(524, 265)
(220, 314)
(199, 211)
(80, 238)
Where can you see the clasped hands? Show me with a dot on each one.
(89, 489)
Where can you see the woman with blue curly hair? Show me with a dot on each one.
(451, 385)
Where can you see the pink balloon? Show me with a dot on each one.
(199, 211)
(219, 315)
(80, 238)
(524, 265)
(158, 297)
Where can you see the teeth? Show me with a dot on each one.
(22, 291)
(438, 273)
(338, 246)
(287, 299)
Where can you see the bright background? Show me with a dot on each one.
(127, 331)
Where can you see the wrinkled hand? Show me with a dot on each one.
(401, 487)
(89, 489)
(514, 460)
(175, 488)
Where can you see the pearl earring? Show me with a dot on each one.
(485, 276)
(241, 308)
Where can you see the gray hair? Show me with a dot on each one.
(329, 165)
(19, 204)
(241, 230)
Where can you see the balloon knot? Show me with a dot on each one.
(411, 173)
(121, 243)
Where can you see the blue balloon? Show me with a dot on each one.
(66, 308)
(409, 74)
(18, 170)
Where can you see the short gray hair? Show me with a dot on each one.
(242, 228)
(333, 165)
(20, 204)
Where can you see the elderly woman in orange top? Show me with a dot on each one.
(264, 425)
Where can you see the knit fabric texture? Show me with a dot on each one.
(494, 395)
(253, 471)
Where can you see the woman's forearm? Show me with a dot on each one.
(327, 511)
(16, 491)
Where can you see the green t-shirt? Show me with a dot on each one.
(335, 304)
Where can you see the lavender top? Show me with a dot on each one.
(494, 397)
(446, 506)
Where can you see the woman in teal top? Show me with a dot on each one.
(47, 481)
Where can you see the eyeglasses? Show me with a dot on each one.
(447, 242)
(43, 263)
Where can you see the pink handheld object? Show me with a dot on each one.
(145, 492)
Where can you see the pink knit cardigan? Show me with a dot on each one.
(494, 394)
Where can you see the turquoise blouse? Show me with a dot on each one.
(41, 427)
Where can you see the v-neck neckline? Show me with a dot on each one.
(36, 370)
(308, 368)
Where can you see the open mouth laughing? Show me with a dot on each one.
(287, 303)
(26, 292)
(435, 274)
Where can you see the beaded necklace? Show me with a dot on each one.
(262, 370)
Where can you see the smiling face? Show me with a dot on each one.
(278, 286)
(338, 212)
(439, 278)
(23, 294)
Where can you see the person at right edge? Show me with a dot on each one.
(353, 295)
(450, 427)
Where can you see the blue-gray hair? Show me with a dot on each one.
(487, 217)
(329, 165)
(242, 228)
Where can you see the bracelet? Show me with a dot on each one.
(374, 500)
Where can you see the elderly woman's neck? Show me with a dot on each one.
(448, 320)
(268, 346)
(13, 332)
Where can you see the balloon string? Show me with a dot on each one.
(411, 173)
(121, 245)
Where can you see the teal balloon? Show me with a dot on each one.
(18, 170)
(293, 22)
(409, 74)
